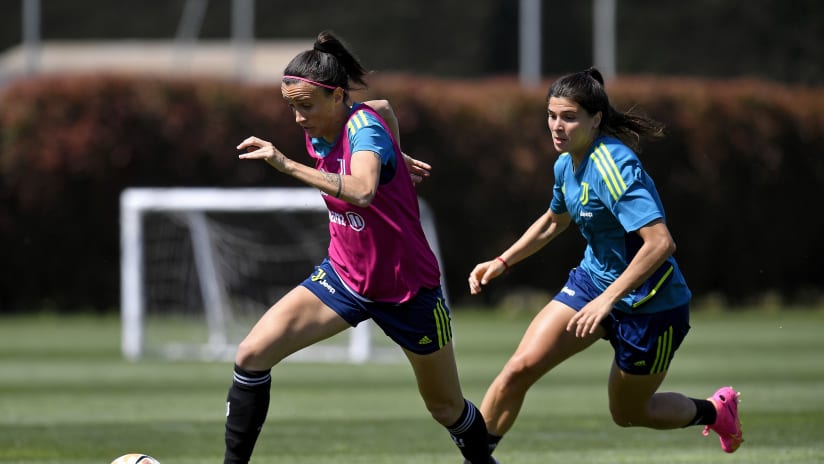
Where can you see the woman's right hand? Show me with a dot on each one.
(483, 273)
(261, 149)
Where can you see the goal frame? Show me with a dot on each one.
(136, 202)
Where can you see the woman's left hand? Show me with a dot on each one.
(418, 170)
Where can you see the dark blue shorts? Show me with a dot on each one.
(422, 325)
(644, 343)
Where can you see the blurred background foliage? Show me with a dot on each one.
(739, 173)
(740, 90)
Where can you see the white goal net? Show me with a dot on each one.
(199, 266)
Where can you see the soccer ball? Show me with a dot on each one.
(135, 458)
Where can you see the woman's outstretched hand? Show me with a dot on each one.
(483, 273)
(259, 149)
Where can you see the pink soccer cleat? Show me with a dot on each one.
(727, 425)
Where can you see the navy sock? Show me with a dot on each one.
(246, 406)
(705, 413)
(493, 441)
(469, 433)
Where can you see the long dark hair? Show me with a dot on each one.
(329, 62)
(586, 88)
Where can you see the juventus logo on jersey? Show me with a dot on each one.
(584, 193)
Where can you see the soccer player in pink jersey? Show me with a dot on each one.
(379, 266)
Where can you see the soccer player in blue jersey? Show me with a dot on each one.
(627, 288)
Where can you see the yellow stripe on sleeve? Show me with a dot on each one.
(609, 171)
(603, 151)
(604, 174)
(357, 121)
(362, 116)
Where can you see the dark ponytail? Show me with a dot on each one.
(586, 88)
(329, 62)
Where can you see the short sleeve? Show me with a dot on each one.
(558, 203)
(636, 208)
(624, 187)
(366, 133)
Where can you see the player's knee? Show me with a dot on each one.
(243, 357)
(621, 420)
(518, 374)
(626, 417)
(250, 356)
(445, 412)
(442, 416)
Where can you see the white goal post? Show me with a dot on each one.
(190, 210)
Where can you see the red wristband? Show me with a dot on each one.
(506, 266)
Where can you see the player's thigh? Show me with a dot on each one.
(632, 392)
(546, 342)
(297, 320)
(644, 346)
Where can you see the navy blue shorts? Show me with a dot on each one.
(644, 343)
(421, 325)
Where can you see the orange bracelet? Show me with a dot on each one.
(506, 266)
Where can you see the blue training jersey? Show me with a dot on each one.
(365, 134)
(610, 197)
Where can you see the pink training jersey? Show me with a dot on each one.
(379, 251)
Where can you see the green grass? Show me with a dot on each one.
(67, 397)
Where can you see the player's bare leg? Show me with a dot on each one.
(633, 401)
(438, 384)
(544, 345)
(298, 320)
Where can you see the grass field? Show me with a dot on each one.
(66, 397)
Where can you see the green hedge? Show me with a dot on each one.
(740, 174)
